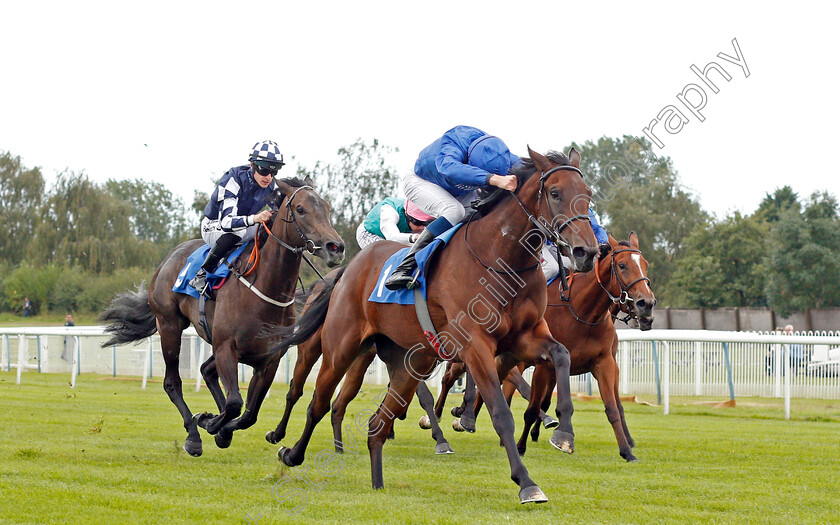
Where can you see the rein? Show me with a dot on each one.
(554, 234)
(622, 299)
(254, 258)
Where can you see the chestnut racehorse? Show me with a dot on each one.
(478, 323)
(236, 316)
(584, 323)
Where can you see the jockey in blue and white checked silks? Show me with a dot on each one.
(233, 213)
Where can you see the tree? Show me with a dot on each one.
(353, 185)
(803, 263)
(83, 224)
(773, 206)
(634, 190)
(21, 192)
(722, 264)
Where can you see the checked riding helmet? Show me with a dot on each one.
(266, 155)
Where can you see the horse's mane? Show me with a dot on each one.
(523, 170)
(293, 182)
(624, 243)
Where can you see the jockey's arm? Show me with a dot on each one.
(600, 233)
(388, 221)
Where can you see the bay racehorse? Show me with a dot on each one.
(236, 316)
(582, 319)
(486, 297)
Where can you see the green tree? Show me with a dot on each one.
(722, 264)
(634, 190)
(803, 264)
(21, 192)
(774, 205)
(83, 224)
(353, 185)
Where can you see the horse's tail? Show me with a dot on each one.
(128, 317)
(311, 320)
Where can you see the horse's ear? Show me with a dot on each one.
(574, 157)
(613, 241)
(634, 240)
(308, 181)
(280, 193)
(540, 162)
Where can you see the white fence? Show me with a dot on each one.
(699, 363)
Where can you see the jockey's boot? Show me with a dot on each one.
(403, 275)
(218, 252)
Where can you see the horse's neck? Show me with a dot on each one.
(278, 267)
(590, 300)
(504, 233)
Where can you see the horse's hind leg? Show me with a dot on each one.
(308, 354)
(544, 375)
(170, 343)
(515, 379)
(424, 396)
(400, 391)
(350, 388)
(332, 370)
(257, 389)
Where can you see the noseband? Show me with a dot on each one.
(623, 297)
(555, 234)
(308, 244)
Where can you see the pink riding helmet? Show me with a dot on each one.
(414, 211)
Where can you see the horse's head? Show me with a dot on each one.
(563, 200)
(629, 269)
(307, 216)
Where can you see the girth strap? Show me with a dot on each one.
(426, 324)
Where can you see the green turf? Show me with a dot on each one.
(108, 452)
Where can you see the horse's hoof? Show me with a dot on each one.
(271, 437)
(443, 448)
(223, 441)
(563, 441)
(339, 449)
(630, 458)
(457, 411)
(283, 456)
(456, 426)
(532, 495)
(549, 423)
(193, 448)
(425, 423)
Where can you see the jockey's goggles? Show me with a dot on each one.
(267, 168)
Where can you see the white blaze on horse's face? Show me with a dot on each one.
(637, 258)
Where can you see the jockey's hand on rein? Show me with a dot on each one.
(603, 250)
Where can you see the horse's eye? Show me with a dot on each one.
(622, 266)
(300, 210)
(554, 194)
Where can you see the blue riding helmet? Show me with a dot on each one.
(490, 154)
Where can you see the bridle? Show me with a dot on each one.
(555, 234)
(623, 298)
(308, 244)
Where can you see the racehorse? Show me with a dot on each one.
(308, 353)
(478, 323)
(239, 308)
(582, 319)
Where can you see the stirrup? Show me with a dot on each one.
(410, 285)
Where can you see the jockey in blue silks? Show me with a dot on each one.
(233, 213)
(447, 174)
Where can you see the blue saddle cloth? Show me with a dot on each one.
(380, 294)
(194, 261)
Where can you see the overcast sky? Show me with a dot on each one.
(177, 92)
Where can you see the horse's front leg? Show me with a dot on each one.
(226, 367)
(480, 362)
(257, 390)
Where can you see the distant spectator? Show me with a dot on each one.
(27, 307)
(798, 358)
(69, 341)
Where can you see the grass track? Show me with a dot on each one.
(108, 452)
